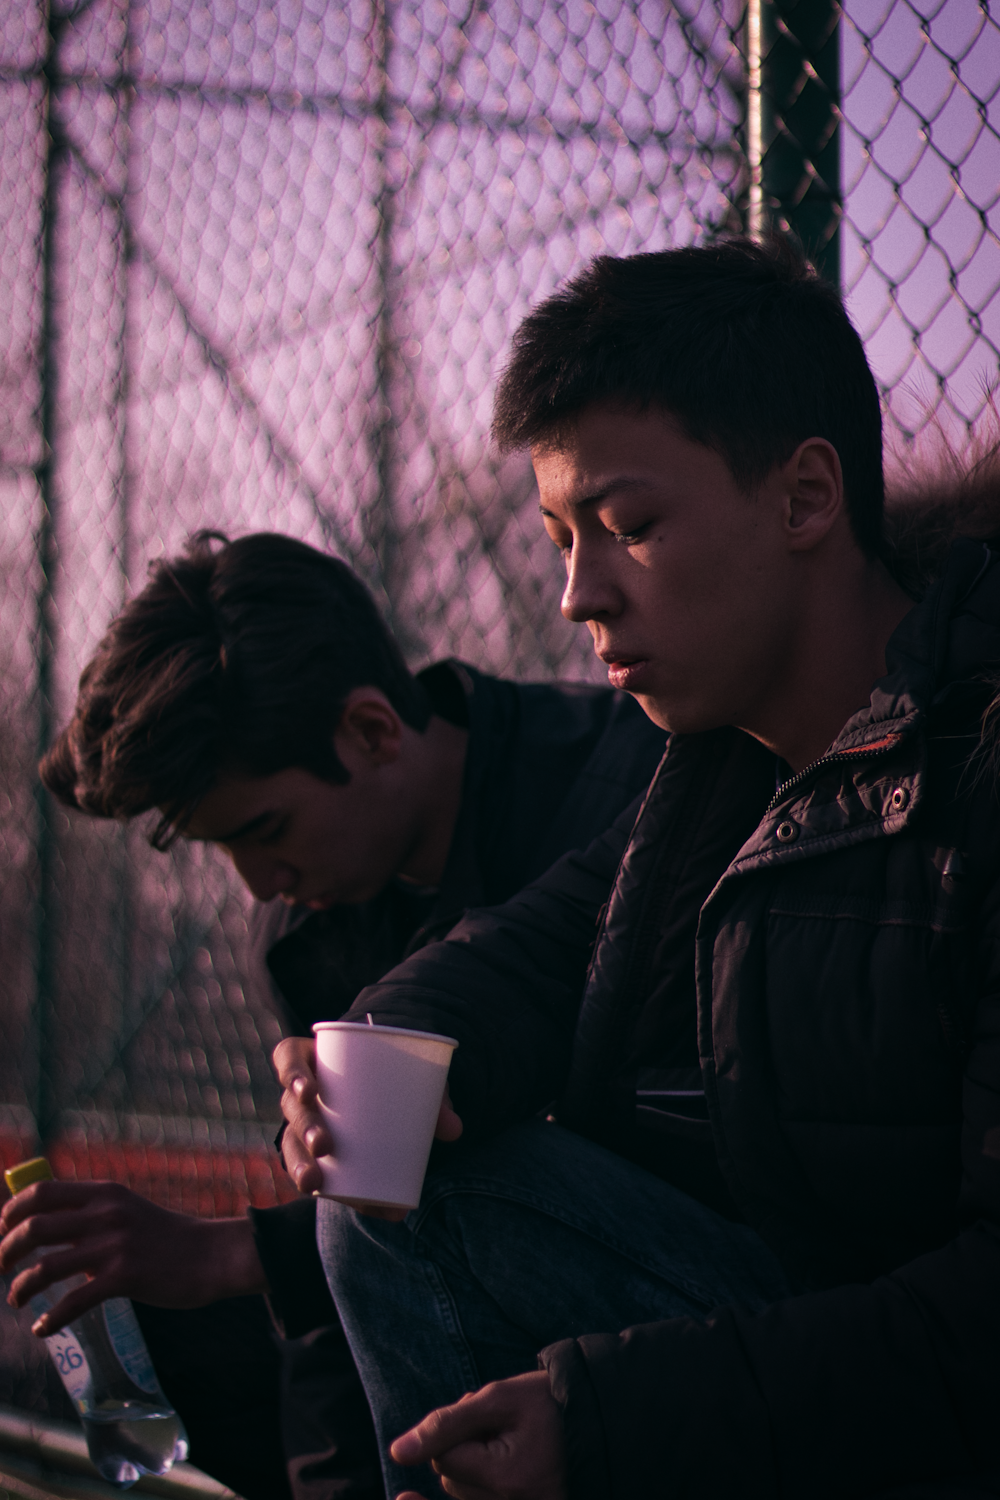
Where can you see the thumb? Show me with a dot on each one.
(439, 1431)
(449, 1126)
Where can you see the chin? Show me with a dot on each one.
(655, 711)
(680, 718)
(660, 711)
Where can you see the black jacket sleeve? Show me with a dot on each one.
(507, 983)
(836, 1393)
(285, 1238)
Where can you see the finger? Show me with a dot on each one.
(57, 1266)
(75, 1303)
(294, 1057)
(300, 1165)
(467, 1464)
(47, 1197)
(441, 1430)
(449, 1125)
(304, 1087)
(305, 1121)
(46, 1229)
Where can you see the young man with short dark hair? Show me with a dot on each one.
(253, 696)
(776, 1165)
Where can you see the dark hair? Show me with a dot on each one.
(742, 342)
(234, 654)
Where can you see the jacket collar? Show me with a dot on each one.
(916, 658)
(883, 790)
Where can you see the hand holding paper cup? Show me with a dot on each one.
(380, 1090)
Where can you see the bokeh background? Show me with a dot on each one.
(260, 261)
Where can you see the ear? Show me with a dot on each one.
(370, 731)
(814, 494)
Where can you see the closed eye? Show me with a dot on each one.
(630, 538)
(276, 834)
(560, 538)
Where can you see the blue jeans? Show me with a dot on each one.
(535, 1236)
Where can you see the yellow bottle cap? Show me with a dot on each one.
(27, 1172)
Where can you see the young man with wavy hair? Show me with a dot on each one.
(759, 1251)
(251, 696)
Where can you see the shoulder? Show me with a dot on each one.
(543, 717)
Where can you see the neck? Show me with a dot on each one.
(436, 765)
(836, 657)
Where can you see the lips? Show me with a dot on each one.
(626, 672)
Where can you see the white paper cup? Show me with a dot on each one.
(380, 1090)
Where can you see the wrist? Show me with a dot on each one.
(232, 1267)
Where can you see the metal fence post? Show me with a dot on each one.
(120, 947)
(793, 124)
(43, 1100)
(380, 521)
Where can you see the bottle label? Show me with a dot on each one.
(130, 1346)
(71, 1362)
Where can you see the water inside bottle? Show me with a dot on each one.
(131, 1429)
(125, 1445)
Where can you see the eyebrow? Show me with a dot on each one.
(621, 482)
(241, 832)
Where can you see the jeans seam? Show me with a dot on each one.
(451, 1321)
(488, 1188)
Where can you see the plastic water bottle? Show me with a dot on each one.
(104, 1364)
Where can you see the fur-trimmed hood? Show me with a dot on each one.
(927, 509)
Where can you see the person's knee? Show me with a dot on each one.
(346, 1237)
(473, 1193)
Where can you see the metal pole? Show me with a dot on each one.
(45, 1103)
(121, 917)
(756, 221)
(380, 521)
(793, 124)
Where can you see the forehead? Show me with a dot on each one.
(609, 451)
(230, 803)
(237, 799)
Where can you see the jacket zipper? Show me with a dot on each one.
(828, 760)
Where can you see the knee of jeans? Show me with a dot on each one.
(454, 1218)
(342, 1232)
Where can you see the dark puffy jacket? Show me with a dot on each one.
(825, 954)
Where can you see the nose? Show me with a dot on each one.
(264, 876)
(590, 592)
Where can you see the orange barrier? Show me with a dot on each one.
(213, 1183)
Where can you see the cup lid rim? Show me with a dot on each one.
(427, 1036)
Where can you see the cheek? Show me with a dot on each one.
(675, 596)
(347, 837)
(701, 622)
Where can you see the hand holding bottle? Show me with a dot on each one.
(114, 1243)
(101, 1357)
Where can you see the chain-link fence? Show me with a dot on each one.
(921, 185)
(260, 261)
